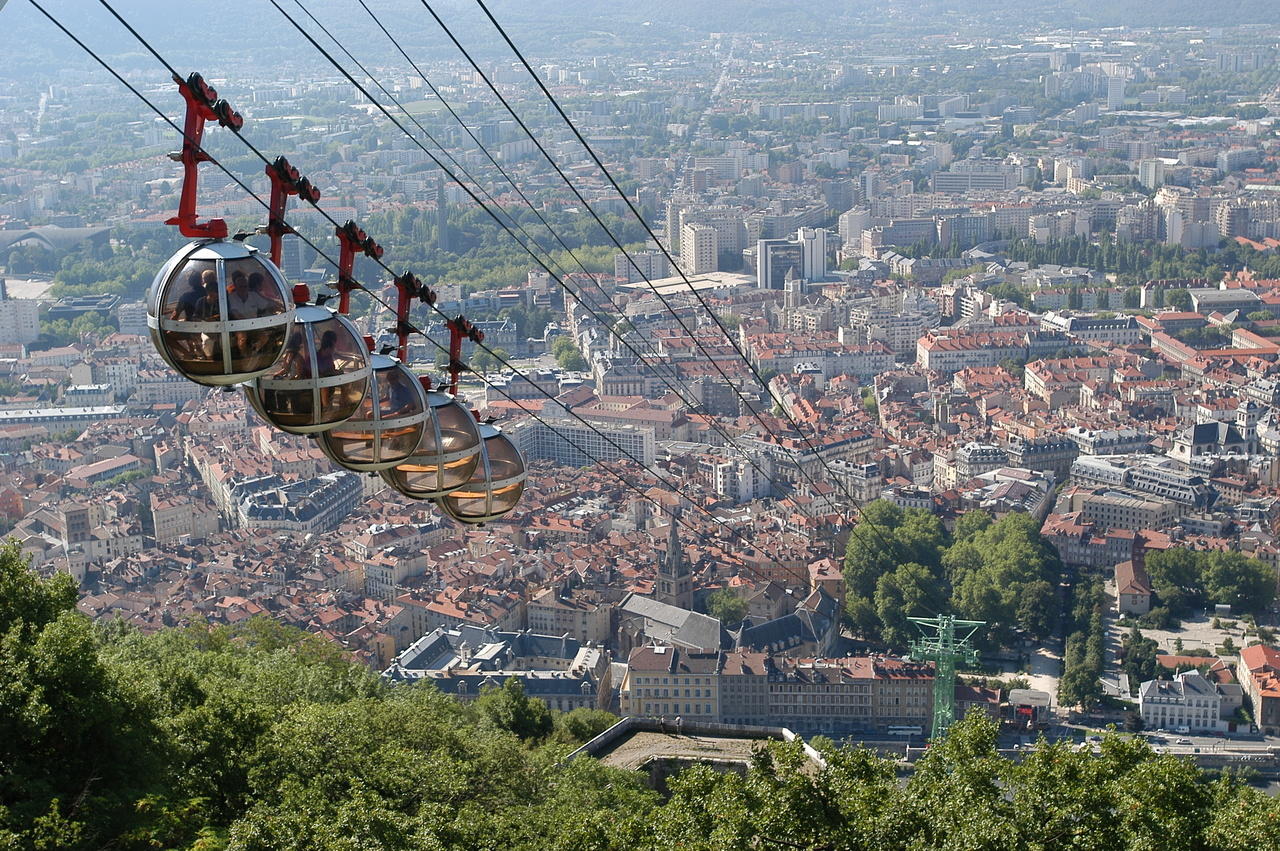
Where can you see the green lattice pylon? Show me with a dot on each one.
(945, 641)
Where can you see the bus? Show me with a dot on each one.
(906, 731)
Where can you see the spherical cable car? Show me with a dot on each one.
(219, 312)
(389, 424)
(447, 456)
(496, 485)
(322, 377)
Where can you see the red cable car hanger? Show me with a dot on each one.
(203, 104)
(352, 239)
(285, 181)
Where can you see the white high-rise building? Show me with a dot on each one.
(699, 246)
(813, 247)
(869, 183)
(19, 318)
(132, 317)
(852, 224)
(1151, 173)
(1115, 92)
(640, 265)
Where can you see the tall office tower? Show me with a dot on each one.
(870, 183)
(774, 259)
(1115, 92)
(675, 206)
(1151, 173)
(813, 247)
(699, 248)
(1232, 220)
(1065, 60)
(291, 258)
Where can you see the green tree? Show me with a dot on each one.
(1140, 658)
(970, 523)
(76, 740)
(1180, 299)
(1175, 578)
(572, 360)
(1037, 606)
(907, 592)
(507, 707)
(583, 724)
(727, 606)
(1244, 583)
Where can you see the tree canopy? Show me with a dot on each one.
(260, 736)
(901, 563)
(1185, 579)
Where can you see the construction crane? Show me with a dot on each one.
(945, 641)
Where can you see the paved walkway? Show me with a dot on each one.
(639, 748)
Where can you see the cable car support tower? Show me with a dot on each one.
(947, 643)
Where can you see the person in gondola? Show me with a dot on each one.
(244, 302)
(209, 311)
(327, 366)
(294, 364)
(189, 307)
(397, 398)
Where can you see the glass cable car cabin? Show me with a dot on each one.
(219, 312)
(389, 424)
(495, 486)
(321, 378)
(447, 456)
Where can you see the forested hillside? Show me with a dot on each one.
(260, 737)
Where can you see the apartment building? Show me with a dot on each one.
(1188, 701)
(573, 444)
(579, 613)
(1119, 509)
(835, 695)
(668, 681)
(1259, 674)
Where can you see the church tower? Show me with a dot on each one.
(675, 578)
(1248, 414)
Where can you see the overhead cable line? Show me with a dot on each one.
(656, 292)
(516, 402)
(640, 218)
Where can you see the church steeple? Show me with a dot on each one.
(675, 578)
